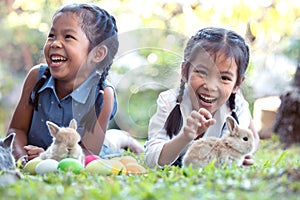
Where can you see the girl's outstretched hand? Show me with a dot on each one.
(248, 160)
(197, 123)
(33, 151)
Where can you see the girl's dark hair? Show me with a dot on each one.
(101, 29)
(211, 40)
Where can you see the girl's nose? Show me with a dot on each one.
(56, 44)
(212, 84)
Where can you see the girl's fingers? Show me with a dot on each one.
(205, 113)
(29, 147)
(195, 115)
(189, 132)
(209, 122)
(32, 157)
(248, 162)
(194, 120)
(33, 150)
(202, 118)
(198, 122)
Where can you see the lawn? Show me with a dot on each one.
(275, 175)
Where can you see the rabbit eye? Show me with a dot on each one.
(245, 138)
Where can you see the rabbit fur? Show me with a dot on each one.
(64, 144)
(7, 160)
(9, 174)
(232, 147)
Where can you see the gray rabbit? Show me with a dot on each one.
(7, 161)
(9, 174)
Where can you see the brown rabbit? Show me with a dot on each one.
(65, 143)
(233, 146)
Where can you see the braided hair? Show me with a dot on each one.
(34, 101)
(101, 29)
(211, 40)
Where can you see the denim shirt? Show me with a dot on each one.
(62, 111)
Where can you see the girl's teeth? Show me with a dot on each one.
(53, 58)
(207, 99)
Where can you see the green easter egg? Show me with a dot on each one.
(70, 164)
(30, 166)
(99, 166)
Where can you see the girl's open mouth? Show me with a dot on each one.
(57, 59)
(207, 99)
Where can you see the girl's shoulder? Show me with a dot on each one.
(37, 71)
(240, 101)
(169, 95)
(106, 83)
(167, 99)
(41, 69)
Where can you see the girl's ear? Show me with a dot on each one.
(237, 86)
(99, 53)
(184, 72)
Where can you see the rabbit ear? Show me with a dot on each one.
(231, 124)
(8, 141)
(73, 124)
(53, 128)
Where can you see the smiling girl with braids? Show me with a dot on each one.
(214, 66)
(79, 51)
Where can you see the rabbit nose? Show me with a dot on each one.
(245, 138)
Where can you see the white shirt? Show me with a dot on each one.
(166, 101)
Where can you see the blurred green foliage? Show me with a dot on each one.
(152, 38)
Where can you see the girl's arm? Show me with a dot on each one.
(196, 125)
(159, 148)
(92, 141)
(21, 119)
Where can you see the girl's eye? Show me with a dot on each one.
(69, 37)
(225, 78)
(51, 35)
(201, 72)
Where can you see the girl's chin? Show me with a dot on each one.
(56, 65)
(208, 106)
(205, 104)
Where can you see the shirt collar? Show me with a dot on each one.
(81, 93)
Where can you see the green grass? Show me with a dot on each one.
(275, 175)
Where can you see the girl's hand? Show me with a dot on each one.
(248, 160)
(33, 151)
(198, 123)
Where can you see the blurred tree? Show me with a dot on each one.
(287, 124)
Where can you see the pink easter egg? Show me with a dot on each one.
(90, 158)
